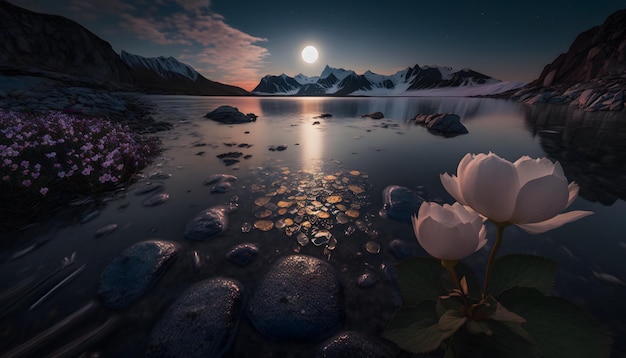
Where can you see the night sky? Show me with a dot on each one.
(237, 42)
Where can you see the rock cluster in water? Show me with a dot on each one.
(230, 115)
(446, 124)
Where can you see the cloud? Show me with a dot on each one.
(216, 49)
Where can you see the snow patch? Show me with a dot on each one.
(164, 66)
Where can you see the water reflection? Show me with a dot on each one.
(400, 108)
(591, 147)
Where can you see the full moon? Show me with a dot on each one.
(309, 54)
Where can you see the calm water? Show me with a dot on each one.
(590, 146)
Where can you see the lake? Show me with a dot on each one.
(339, 151)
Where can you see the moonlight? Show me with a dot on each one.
(309, 54)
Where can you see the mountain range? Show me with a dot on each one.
(591, 75)
(341, 82)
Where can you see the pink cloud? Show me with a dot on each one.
(217, 50)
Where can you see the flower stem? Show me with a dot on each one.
(492, 256)
(449, 265)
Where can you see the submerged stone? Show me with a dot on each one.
(217, 178)
(201, 323)
(137, 269)
(156, 199)
(242, 255)
(402, 250)
(400, 203)
(207, 224)
(222, 187)
(298, 299)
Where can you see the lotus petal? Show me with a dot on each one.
(489, 185)
(555, 222)
(540, 199)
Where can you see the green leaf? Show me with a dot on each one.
(450, 322)
(449, 303)
(415, 328)
(503, 315)
(419, 279)
(558, 327)
(522, 271)
(501, 343)
(479, 327)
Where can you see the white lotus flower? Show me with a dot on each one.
(530, 193)
(448, 232)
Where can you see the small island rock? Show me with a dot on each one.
(446, 124)
(375, 115)
(230, 115)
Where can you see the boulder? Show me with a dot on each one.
(230, 115)
(374, 115)
(133, 273)
(242, 255)
(400, 203)
(201, 323)
(446, 124)
(298, 299)
(207, 224)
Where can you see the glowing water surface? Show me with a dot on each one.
(590, 146)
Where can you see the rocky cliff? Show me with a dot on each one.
(58, 49)
(33, 41)
(590, 75)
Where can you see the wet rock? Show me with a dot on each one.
(298, 299)
(216, 178)
(222, 187)
(374, 115)
(279, 147)
(148, 188)
(201, 323)
(105, 230)
(230, 115)
(207, 224)
(220, 183)
(242, 255)
(156, 199)
(324, 115)
(400, 203)
(367, 279)
(402, 250)
(230, 161)
(230, 155)
(352, 344)
(446, 124)
(134, 272)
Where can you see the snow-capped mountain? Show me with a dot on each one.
(164, 66)
(168, 75)
(341, 82)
